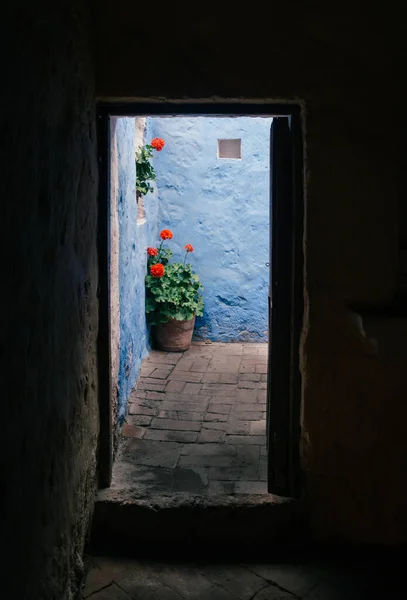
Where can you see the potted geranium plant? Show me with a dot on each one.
(172, 297)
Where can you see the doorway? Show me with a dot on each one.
(281, 391)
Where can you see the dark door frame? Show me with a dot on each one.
(294, 231)
(286, 308)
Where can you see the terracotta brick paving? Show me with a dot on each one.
(197, 420)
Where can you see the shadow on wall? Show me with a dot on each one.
(221, 206)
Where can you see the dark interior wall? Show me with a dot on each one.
(342, 62)
(49, 426)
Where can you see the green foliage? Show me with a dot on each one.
(144, 170)
(176, 294)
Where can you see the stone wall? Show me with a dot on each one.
(114, 265)
(221, 206)
(343, 64)
(135, 235)
(49, 424)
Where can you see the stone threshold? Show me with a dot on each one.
(123, 519)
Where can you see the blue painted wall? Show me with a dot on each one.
(221, 207)
(133, 240)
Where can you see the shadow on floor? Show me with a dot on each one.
(321, 576)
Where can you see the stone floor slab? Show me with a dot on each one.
(314, 579)
(298, 579)
(240, 582)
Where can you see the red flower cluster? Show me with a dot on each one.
(166, 234)
(189, 248)
(158, 144)
(152, 251)
(157, 270)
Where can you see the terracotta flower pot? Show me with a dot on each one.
(174, 336)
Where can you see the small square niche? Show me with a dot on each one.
(230, 148)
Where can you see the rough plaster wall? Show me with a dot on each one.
(344, 63)
(134, 239)
(221, 206)
(49, 423)
(114, 272)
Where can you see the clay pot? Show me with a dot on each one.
(174, 336)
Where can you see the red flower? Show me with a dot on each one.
(157, 270)
(189, 248)
(152, 251)
(158, 144)
(166, 234)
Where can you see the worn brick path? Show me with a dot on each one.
(197, 420)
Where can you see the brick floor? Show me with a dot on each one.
(202, 413)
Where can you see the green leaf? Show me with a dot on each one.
(150, 304)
